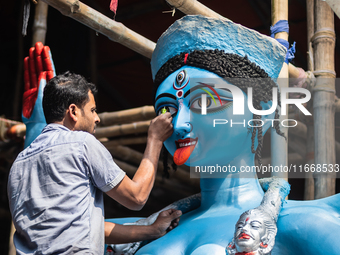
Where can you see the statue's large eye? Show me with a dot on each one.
(213, 105)
(167, 108)
(180, 77)
(198, 103)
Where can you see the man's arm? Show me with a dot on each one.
(117, 234)
(133, 193)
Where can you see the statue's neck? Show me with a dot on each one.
(235, 189)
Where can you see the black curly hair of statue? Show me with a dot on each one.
(228, 66)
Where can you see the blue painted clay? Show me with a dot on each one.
(304, 227)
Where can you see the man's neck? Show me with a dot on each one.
(64, 123)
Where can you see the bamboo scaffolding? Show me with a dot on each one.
(159, 181)
(40, 23)
(335, 5)
(134, 157)
(192, 7)
(337, 105)
(127, 116)
(309, 181)
(293, 158)
(324, 97)
(124, 129)
(115, 31)
(123, 141)
(301, 130)
(279, 147)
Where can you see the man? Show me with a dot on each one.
(55, 185)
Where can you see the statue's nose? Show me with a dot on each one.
(182, 126)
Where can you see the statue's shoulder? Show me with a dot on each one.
(309, 227)
(329, 205)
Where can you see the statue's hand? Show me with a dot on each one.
(38, 69)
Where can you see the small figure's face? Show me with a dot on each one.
(194, 135)
(88, 117)
(249, 233)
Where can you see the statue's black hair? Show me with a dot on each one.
(228, 66)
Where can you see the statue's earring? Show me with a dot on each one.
(263, 245)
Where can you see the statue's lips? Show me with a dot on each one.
(244, 236)
(184, 150)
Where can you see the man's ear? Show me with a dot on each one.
(267, 119)
(73, 112)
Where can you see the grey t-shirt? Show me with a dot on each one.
(55, 192)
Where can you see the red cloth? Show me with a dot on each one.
(114, 5)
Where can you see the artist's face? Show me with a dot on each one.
(195, 140)
(250, 231)
(88, 117)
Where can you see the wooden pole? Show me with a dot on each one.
(11, 248)
(337, 104)
(324, 97)
(127, 116)
(159, 181)
(17, 95)
(135, 157)
(279, 148)
(335, 5)
(193, 7)
(309, 181)
(125, 141)
(115, 31)
(40, 23)
(124, 129)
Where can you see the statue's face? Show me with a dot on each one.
(249, 233)
(195, 140)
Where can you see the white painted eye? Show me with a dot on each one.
(197, 104)
(211, 104)
(165, 109)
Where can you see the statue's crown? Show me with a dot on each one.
(195, 32)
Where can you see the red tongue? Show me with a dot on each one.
(181, 155)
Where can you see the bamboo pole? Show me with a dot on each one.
(124, 129)
(324, 97)
(135, 157)
(115, 31)
(40, 23)
(335, 5)
(193, 7)
(309, 181)
(17, 95)
(337, 104)
(124, 141)
(11, 248)
(127, 116)
(159, 181)
(293, 158)
(279, 148)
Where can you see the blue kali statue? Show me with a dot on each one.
(192, 62)
(193, 56)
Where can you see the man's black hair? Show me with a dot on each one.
(63, 90)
